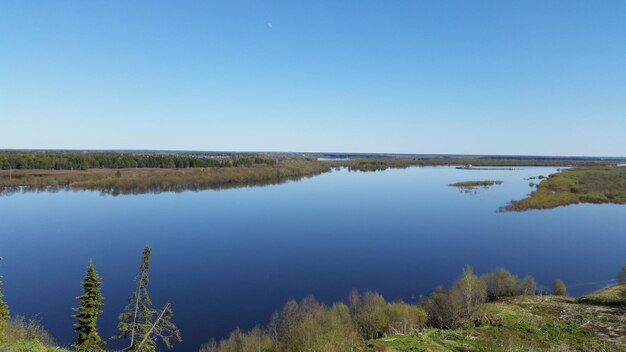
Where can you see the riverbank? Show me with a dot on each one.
(156, 180)
(595, 185)
(154, 173)
(494, 312)
(529, 323)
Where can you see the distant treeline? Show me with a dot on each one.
(85, 161)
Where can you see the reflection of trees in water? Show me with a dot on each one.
(153, 188)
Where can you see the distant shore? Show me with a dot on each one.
(143, 172)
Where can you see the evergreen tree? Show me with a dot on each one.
(4, 312)
(88, 339)
(163, 329)
(136, 321)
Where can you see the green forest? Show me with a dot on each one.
(46, 160)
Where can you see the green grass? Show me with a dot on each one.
(28, 346)
(614, 296)
(528, 323)
(597, 185)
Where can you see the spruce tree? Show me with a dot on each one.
(4, 312)
(163, 329)
(88, 339)
(136, 319)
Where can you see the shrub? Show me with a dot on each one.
(558, 288)
(20, 329)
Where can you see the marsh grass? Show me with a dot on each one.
(596, 185)
(145, 180)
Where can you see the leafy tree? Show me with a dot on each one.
(136, 321)
(500, 283)
(301, 326)
(405, 318)
(371, 317)
(527, 286)
(88, 339)
(621, 276)
(4, 311)
(354, 299)
(443, 307)
(558, 288)
(472, 290)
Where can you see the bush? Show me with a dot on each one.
(558, 288)
(501, 283)
(20, 329)
(405, 318)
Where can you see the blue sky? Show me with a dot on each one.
(471, 77)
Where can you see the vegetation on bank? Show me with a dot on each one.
(22, 335)
(138, 181)
(524, 323)
(494, 312)
(598, 184)
(152, 172)
(470, 185)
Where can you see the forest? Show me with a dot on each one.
(44, 160)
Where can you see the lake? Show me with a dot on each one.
(230, 258)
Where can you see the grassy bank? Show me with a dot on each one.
(115, 177)
(497, 311)
(599, 184)
(28, 346)
(529, 323)
(155, 180)
(22, 335)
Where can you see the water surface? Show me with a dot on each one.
(230, 258)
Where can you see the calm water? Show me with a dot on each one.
(230, 258)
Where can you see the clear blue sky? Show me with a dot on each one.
(486, 77)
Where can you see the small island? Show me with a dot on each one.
(471, 185)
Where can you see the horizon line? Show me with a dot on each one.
(460, 155)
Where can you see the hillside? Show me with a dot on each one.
(530, 323)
